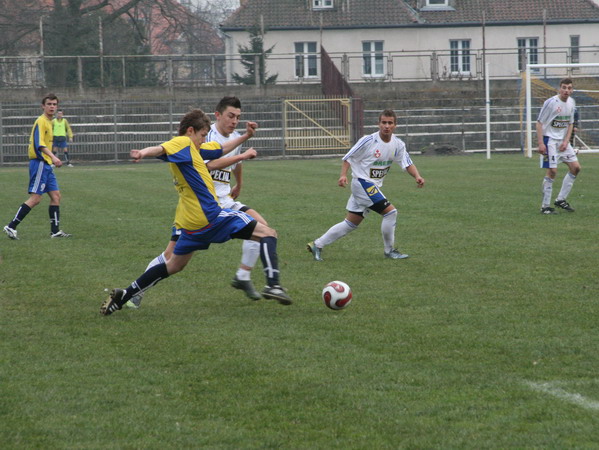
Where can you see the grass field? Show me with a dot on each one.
(486, 337)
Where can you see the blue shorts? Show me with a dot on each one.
(60, 141)
(41, 177)
(221, 230)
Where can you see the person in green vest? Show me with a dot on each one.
(62, 135)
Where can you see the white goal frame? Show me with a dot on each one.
(529, 128)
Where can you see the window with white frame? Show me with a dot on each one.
(306, 60)
(575, 49)
(322, 4)
(437, 3)
(373, 61)
(528, 52)
(460, 56)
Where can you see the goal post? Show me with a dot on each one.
(545, 78)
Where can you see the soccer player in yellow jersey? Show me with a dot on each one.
(41, 175)
(199, 216)
(63, 133)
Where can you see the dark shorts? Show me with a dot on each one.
(60, 141)
(228, 225)
(41, 177)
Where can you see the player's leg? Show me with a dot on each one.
(54, 213)
(549, 162)
(267, 238)
(388, 224)
(250, 252)
(569, 158)
(118, 297)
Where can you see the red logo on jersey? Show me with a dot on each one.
(377, 153)
(559, 109)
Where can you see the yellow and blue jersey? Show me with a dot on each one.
(198, 204)
(41, 136)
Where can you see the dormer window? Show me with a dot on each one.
(322, 4)
(436, 5)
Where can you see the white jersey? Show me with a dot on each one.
(371, 157)
(555, 116)
(222, 177)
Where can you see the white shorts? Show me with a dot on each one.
(229, 203)
(363, 196)
(554, 156)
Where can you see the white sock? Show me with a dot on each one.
(335, 232)
(250, 252)
(158, 260)
(243, 274)
(388, 230)
(547, 189)
(566, 186)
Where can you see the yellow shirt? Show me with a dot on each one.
(62, 128)
(41, 136)
(198, 204)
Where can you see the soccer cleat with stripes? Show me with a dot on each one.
(247, 287)
(312, 248)
(113, 303)
(11, 233)
(548, 210)
(396, 254)
(276, 293)
(564, 205)
(60, 234)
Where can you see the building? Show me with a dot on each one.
(399, 40)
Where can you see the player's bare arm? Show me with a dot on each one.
(412, 170)
(342, 182)
(542, 148)
(221, 163)
(232, 144)
(138, 155)
(238, 174)
(56, 161)
(564, 145)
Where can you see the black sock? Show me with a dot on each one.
(21, 213)
(270, 261)
(66, 157)
(54, 211)
(147, 279)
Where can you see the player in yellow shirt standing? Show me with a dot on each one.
(199, 216)
(63, 134)
(41, 175)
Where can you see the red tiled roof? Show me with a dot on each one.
(285, 14)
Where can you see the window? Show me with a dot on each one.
(322, 4)
(306, 60)
(460, 56)
(428, 5)
(575, 49)
(373, 61)
(528, 52)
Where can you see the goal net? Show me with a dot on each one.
(541, 81)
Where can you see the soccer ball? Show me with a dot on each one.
(336, 295)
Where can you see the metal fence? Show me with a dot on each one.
(217, 69)
(107, 131)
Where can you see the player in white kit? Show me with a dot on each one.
(228, 113)
(554, 128)
(370, 160)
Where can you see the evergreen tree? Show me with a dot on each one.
(249, 54)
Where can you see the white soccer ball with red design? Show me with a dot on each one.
(337, 295)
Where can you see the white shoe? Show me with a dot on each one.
(12, 234)
(69, 165)
(60, 234)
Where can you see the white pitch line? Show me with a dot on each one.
(575, 399)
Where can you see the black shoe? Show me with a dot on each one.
(113, 303)
(563, 205)
(548, 210)
(276, 293)
(247, 287)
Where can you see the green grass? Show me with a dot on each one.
(486, 337)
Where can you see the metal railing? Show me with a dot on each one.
(173, 71)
